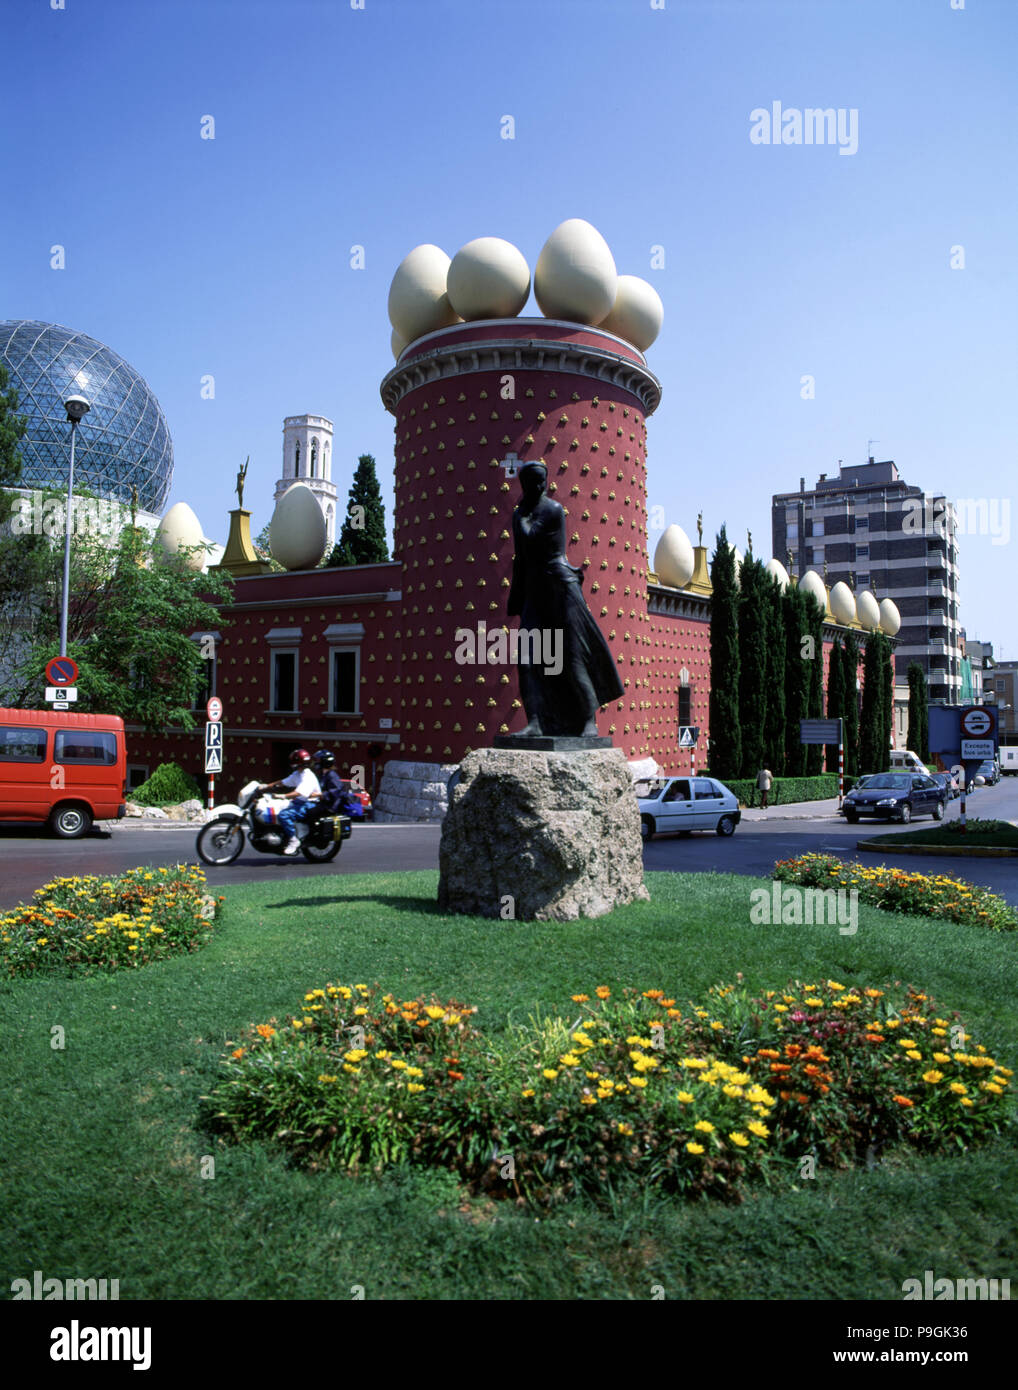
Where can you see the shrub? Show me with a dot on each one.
(704, 1101)
(167, 786)
(785, 790)
(896, 890)
(93, 923)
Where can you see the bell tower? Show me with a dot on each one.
(307, 458)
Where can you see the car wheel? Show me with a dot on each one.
(71, 822)
(726, 826)
(647, 827)
(852, 817)
(938, 811)
(905, 814)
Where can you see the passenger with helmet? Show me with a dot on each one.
(336, 798)
(302, 790)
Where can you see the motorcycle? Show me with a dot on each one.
(221, 840)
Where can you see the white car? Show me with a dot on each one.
(684, 804)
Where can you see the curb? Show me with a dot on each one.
(969, 852)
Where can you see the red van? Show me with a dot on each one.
(66, 770)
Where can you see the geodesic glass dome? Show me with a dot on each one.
(122, 442)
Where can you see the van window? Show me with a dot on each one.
(85, 746)
(22, 745)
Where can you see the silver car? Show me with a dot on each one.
(685, 804)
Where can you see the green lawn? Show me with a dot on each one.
(998, 833)
(100, 1160)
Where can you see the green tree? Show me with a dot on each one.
(263, 550)
(362, 539)
(753, 633)
(875, 721)
(774, 723)
(725, 739)
(918, 712)
(815, 683)
(835, 697)
(129, 626)
(850, 683)
(795, 677)
(888, 716)
(12, 429)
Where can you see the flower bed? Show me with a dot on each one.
(96, 923)
(897, 890)
(703, 1100)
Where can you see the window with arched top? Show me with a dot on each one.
(325, 459)
(314, 458)
(296, 460)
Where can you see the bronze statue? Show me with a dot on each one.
(699, 528)
(241, 475)
(790, 559)
(749, 541)
(546, 596)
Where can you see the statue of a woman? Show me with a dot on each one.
(547, 597)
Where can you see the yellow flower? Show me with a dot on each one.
(694, 1063)
(692, 1148)
(758, 1128)
(781, 1008)
(731, 1090)
(569, 1059)
(360, 1011)
(718, 1027)
(915, 1056)
(814, 1004)
(932, 1077)
(642, 1081)
(704, 1126)
(965, 1101)
(433, 1011)
(527, 1093)
(382, 1056)
(624, 1128)
(325, 1078)
(398, 1064)
(958, 1088)
(549, 1074)
(941, 1057)
(414, 1087)
(739, 1139)
(686, 1097)
(41, 941)
(993, 1088)
(588, 1100)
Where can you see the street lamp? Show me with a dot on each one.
(77, 408)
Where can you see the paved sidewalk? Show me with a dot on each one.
(795, 810)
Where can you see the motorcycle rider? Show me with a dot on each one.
(336, 800)
(302, 790)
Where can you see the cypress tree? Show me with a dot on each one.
(872, 757)
(796, 678)
(752, 664)
(888, 660)
(774, 723)
(850, 685)
(835, 698)
(725, 741)
(362, 539)
(815, 683)
(918, 712)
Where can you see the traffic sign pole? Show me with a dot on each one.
(841, 761)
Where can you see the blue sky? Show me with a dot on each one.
(380, 127)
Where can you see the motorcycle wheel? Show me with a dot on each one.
(220, 842)
(316, 854)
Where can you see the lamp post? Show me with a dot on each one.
(77, 408)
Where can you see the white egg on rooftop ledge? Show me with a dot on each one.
(842, 602)
(890, 618)
(297, 529)
(868, 611)
(576, 278)
(812, 584)
(180, 528)
(637, 313)
(777, 571)
(418, 298)
(673, 558)
(488, 279)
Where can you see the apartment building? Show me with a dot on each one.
(870, 528)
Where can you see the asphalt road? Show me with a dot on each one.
(28, 858)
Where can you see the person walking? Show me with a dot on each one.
(764, 779)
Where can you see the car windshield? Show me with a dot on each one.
(984, 768)
(887, 781)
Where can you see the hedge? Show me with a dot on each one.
(167, 786)
(787, 789)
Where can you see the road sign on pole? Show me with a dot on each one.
(976, 723)
(688, 736)
(820, 731)
(61, 670)
(61, 695)
(213, 759)
(214, 710)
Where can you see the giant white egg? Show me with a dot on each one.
(812, 584)
(396, 343)
(890, 618)
(777, 571)
(637, 313)
(418, 302)
(842, 602)
(181, 528)
(575, 278)
(297, 529)
(488, 279)
(868, 611)
(673, 559)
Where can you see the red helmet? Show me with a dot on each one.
(300, 757)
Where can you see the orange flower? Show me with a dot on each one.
(792, 1050)
(602, 992)
(238, 1053)
(785, 1095)
(579, 998)
(780, 1067)
(811, 1070)
(456, 1075)
(767, 1052)
(903, 1101)
(264, 1031)
(803, 1100)
(874, 1037)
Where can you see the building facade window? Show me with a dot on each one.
(314, 458)
(685, 705)
(296, 460)
(284, 666)
(345, 641)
